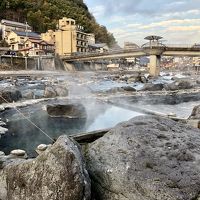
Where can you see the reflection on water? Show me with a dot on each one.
(182, 110)
(23, 135)
(111, 117)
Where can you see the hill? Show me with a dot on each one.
(43, 15)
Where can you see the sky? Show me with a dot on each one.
(177, 21)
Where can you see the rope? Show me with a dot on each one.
(29, 120)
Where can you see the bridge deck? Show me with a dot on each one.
(167, 51)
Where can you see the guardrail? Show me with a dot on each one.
(146, 45)
(94, 54)
(182, 46)
(153, 45)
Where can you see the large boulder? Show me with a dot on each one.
(153, 87)
(146, 158)
(71, 111)
(179, 85)
(57, 174)
(10, 95)
(195, 113)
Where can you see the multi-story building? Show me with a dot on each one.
(130, 46)
(91, 38)
(98, 48)
(7, 26)
(37, 47)
(29, 43)
(81, 40)
(69, 38)
(16, 39)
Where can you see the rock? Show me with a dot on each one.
(124, 78)
(143, 79)
(58, 173)
(28, 94)
(146, 158)
(153, 87)
(132, 80)
(18, 152)
(42, 147)
(198, 81)
(187, 74)
(3, 130)
(49, 92)
(129, 89)
(2, 153)
(171, 87)
(61, 91)
(195, 113)
(179, 85)
(183, 84)
(70, 111)
(10, 95)
(115, 90)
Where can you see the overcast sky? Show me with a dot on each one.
(178, 21)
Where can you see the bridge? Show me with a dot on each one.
(154, 49)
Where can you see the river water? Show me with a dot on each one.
(23, 135)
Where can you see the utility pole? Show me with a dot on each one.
(26, 30)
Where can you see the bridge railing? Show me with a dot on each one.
(182, 45)
(153, 45)
(93, 54)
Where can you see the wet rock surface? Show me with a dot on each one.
(31, 87)
(147, 158)
(153, 87)
(10, 95)
(58, 173)
(179, 85)
(70, 111)
(195, 113)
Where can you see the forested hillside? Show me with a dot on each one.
(43, 15)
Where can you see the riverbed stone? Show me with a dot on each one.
(28, 94)
(10, 95)
(71, 110)
(146, 158)
(42, 147)
(61, 91)
(179, 85)
(153, 87)
(59, 173)
(49, 92)
(129, 89)
(2, 153)
(195, 113)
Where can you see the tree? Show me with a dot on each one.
(43, 15)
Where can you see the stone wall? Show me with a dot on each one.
(30, 63)
(85, 66)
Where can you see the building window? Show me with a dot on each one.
(35, 45)
(26, 45)
(13, 47)
(12, 39)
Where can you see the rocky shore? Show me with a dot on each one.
(144, 158)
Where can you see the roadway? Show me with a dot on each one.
(178, 50)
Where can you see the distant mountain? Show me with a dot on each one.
(43, 15)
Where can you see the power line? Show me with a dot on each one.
(29, 120)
